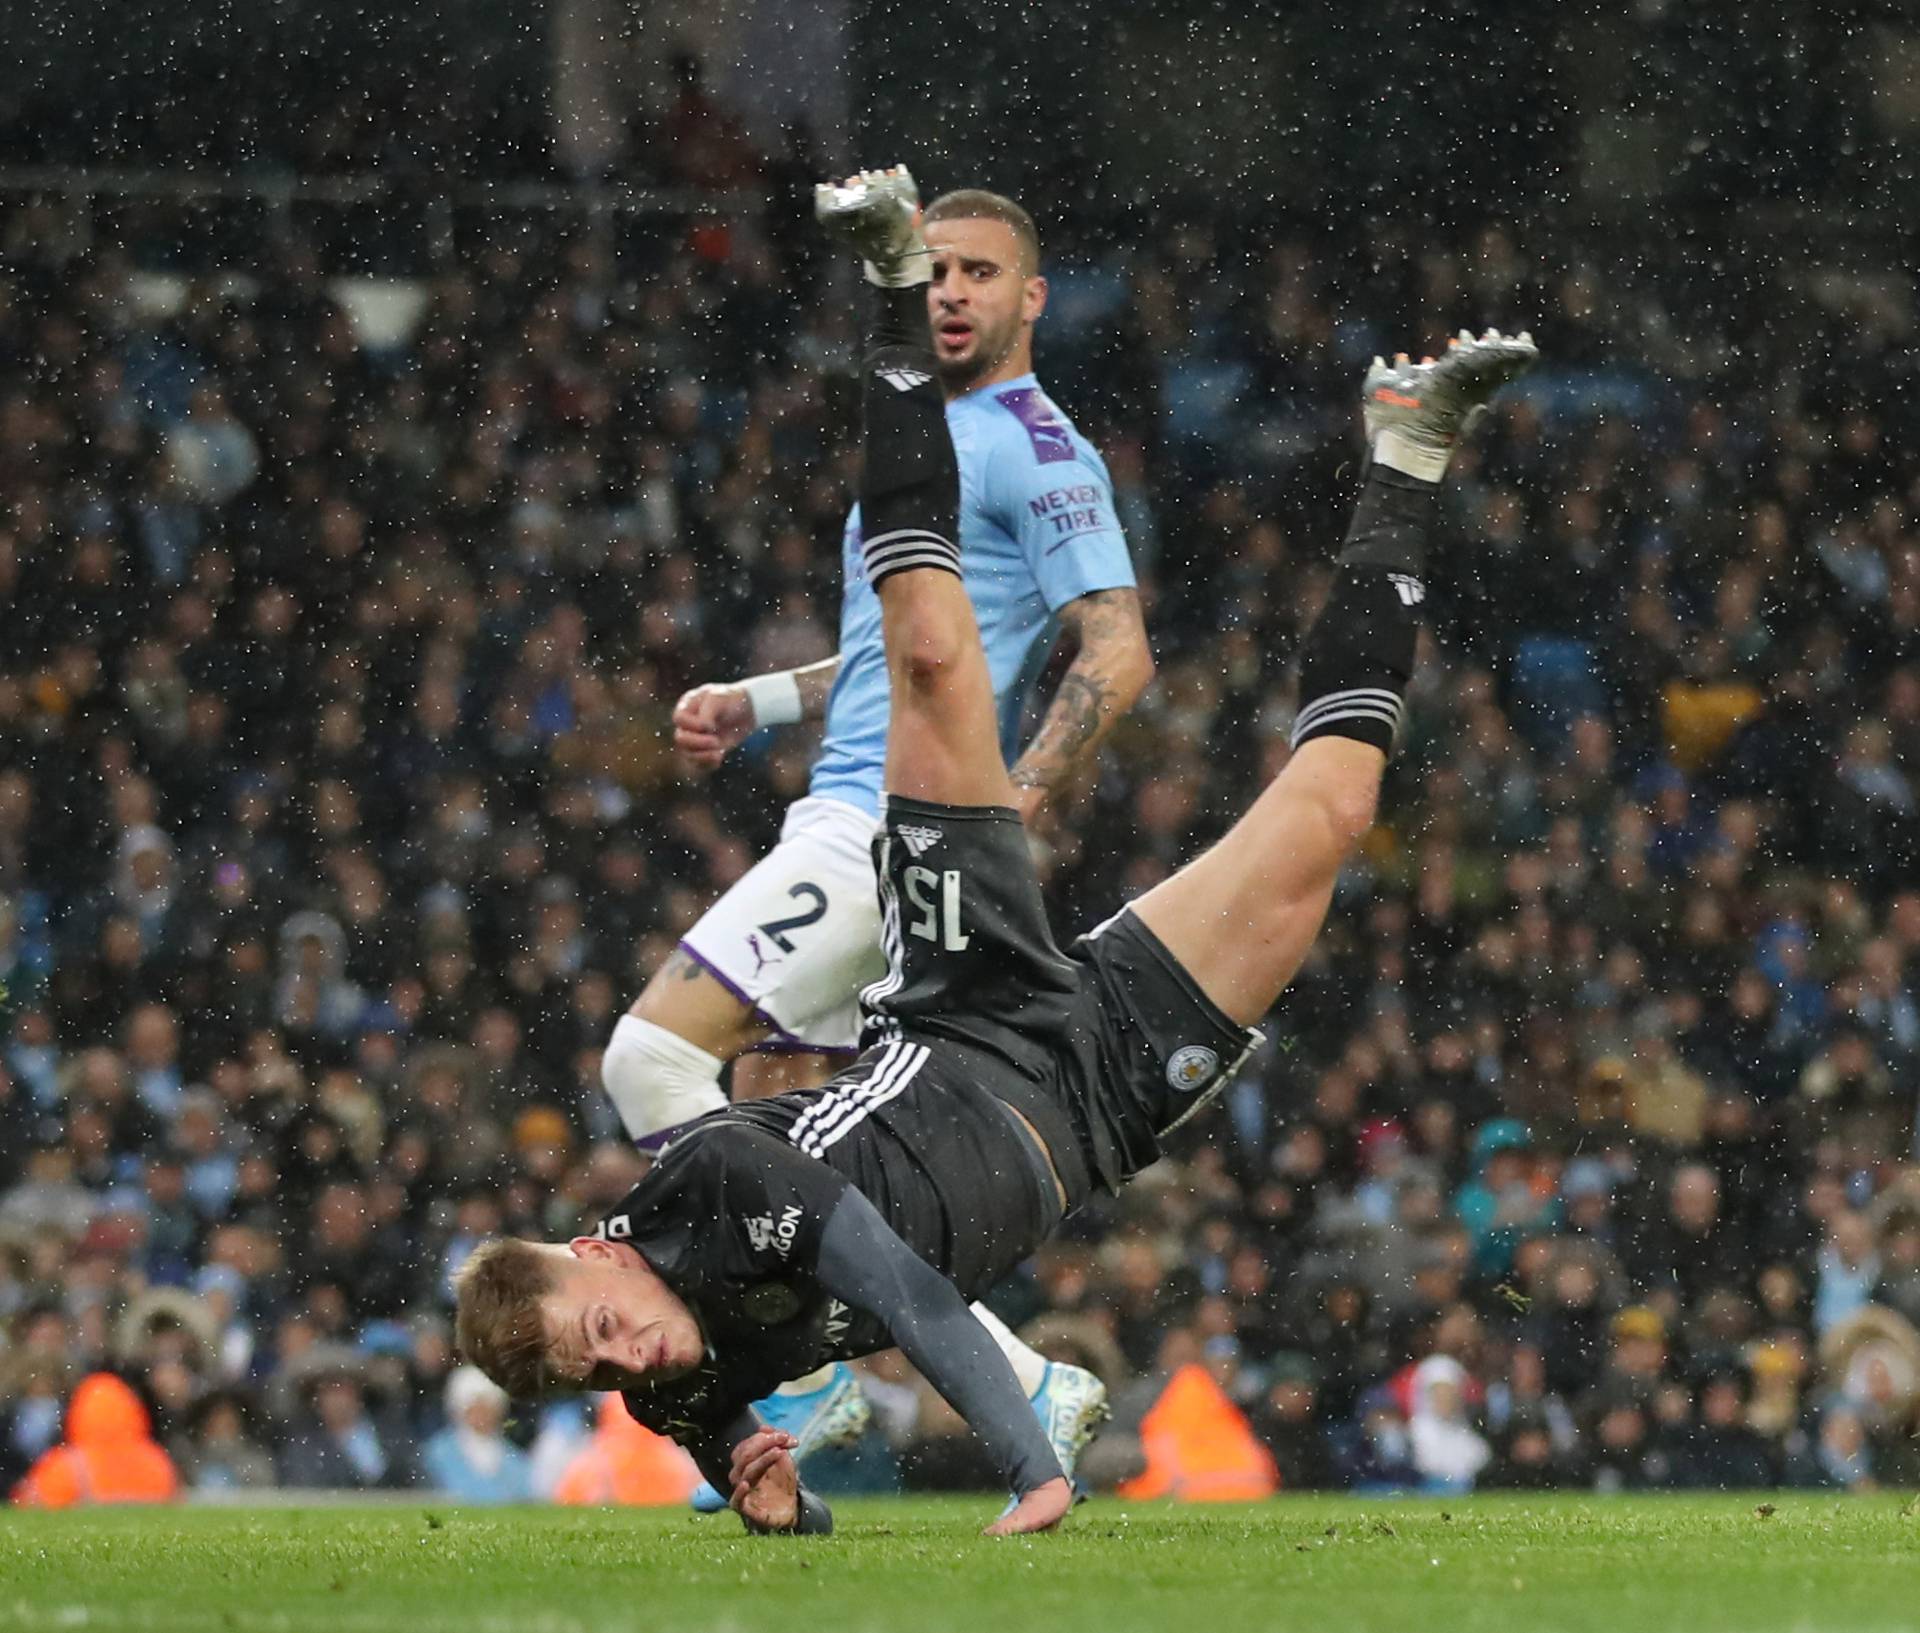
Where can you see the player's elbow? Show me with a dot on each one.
(1113, 645)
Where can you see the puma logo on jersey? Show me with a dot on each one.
(765, 1232)
(903, 379)
(918, 840)
(1412, 592)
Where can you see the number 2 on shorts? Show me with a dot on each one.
(939, 918)
(775, 930)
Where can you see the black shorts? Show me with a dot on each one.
(1103, 1047)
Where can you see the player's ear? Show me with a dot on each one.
(1035, 299)
(592, 1247)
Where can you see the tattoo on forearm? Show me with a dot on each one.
(1072, 724)
(1096, 690)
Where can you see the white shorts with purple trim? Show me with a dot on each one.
(798, 936)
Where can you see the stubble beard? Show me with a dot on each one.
(958, 375)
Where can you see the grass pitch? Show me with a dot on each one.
(1309, 1563)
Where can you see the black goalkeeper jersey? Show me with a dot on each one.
(913, 1157)
(731, 1216)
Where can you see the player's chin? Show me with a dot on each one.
(959, 369)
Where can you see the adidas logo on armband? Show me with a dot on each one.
(1411, 591)
(903, 379)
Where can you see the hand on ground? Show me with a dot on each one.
(1041, 1509)
(766, 1485)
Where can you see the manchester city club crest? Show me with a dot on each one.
(1191, 1067)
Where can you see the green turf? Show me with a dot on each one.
(1613, 1565)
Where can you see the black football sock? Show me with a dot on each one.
(898, 317)
(1359, 655)
(910, 479)
(1391, 520)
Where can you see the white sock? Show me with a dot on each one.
(1029, 1365)
(808, 1384)
(656, 1079)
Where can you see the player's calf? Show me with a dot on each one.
(1241, 917)
(1359, 656)
(910, 476)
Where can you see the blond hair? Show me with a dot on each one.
(498, 1324)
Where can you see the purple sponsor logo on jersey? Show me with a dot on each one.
(1045, 429)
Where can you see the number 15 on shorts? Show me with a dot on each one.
(936, 899)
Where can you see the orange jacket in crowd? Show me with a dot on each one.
(1199, 1447)
(109, 1454)
(625, 1463)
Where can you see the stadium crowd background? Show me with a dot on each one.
(337, 824)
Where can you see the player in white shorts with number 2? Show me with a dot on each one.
(798, 937)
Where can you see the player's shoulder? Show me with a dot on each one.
(1019, 418)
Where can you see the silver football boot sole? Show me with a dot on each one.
(877, 214)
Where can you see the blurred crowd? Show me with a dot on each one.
(338, 823)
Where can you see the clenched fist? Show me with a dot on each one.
(710, 722)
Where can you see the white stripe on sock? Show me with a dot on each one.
(1319, 726)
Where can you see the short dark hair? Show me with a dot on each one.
(977, 204)
(498, 1325)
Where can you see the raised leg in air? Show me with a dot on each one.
(1242, 915)
(943, 742)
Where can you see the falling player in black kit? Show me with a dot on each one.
(1003, 1080)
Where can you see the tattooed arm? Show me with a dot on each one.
(1109, 671)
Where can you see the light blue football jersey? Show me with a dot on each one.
(1037, 530)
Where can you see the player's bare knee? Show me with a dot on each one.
(1351, 811)
(924, 656)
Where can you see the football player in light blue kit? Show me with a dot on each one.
(776, 966)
